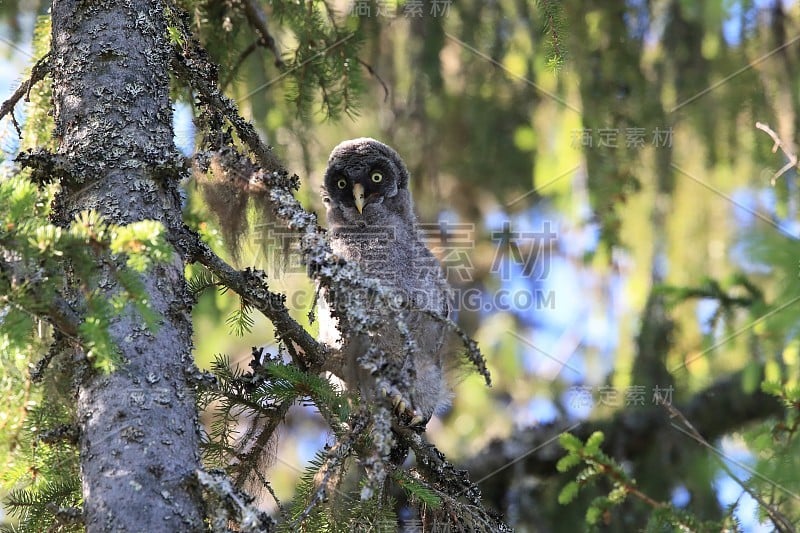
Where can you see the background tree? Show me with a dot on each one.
(599, 194)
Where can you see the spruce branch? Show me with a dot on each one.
(257, 444)
(553, 27)
(252, 286)
(596, 465)
(53, 308)
(325, 480)
(629, 433)
(266, 177)
(257, 19)
(272, 181)
(450, 485)
(191, 63)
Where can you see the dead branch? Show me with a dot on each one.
(258, 20)
(40, 69)
(792, 157)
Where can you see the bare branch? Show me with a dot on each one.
(377, 77)
(38, 72)
(258, 20)
(792, 157)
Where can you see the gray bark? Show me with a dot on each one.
(139, 434)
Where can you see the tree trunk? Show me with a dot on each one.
(139, 432)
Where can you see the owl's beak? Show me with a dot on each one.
(358, 194)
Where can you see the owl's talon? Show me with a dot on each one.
(396, 400)
(401, 407)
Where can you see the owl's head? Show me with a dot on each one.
(364, 179)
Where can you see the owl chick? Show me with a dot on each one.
(371, 222)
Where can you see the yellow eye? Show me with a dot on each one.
(376, 177)
(342, 183)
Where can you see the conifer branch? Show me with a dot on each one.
(252, 286)
(781, 522)
(192, 64)
(451, 484)
(325, 480)
(277, 187)
(629, 432)
(267, 178)
(250, 459)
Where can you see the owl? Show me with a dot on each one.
(371, 222)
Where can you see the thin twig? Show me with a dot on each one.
(258, 20)
(38, 72)
(244, 55)
(377, 77)
(792, 157)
